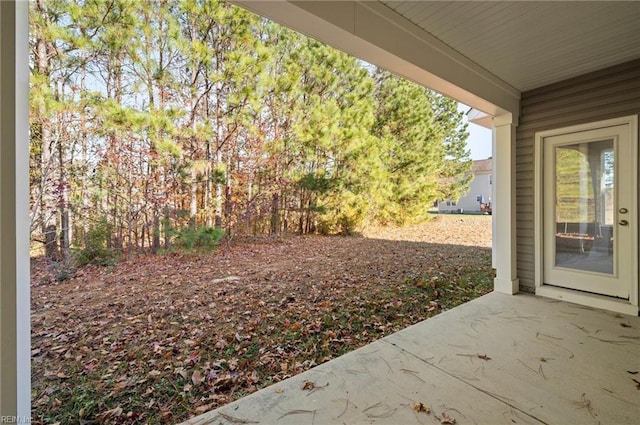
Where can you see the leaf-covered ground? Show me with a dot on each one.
(162, 338)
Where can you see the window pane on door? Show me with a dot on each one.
(584, 206)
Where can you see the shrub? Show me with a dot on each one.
(345, 218)
(190, 238)
(95, 249)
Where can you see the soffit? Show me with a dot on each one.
(532, 44)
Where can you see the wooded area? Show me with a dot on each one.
(159, 122)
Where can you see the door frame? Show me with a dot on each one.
(593, 300)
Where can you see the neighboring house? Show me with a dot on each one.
(546, 77)
(478, 199)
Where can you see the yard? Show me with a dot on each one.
(161, 338)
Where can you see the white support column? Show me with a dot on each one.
(15, 373)
(504, 205)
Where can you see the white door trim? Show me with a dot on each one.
(623, 306)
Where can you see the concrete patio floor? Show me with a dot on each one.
(499, 359)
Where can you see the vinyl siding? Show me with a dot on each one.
(609, 93)
(479, 186)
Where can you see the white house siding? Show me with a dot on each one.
(609, 93)
(479, 187)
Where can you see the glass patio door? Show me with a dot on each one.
(587, 219)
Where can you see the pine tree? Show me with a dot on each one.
(423, 159)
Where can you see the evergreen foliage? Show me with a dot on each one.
(94, 248)
(197, 238)
(157, 117)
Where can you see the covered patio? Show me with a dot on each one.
(496, 360)
(534, 72)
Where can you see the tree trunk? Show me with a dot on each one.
(247, 217)
(155, 243)
(48, 208)
(219, 200)
(193, 204)
(167, 230)
(51, 242)
(63, 201)
(227, 208)
(65, 235)
(208, 188)
(275, 215)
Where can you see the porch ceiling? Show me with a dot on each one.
(532, 44)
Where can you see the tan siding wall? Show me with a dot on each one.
(609, 93)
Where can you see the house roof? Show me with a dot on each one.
(482, 166)
(530, 44)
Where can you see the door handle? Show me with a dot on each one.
(623, 223)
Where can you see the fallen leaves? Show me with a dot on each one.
(420, 407)
(444, 418)
(312, 387)
(197, 378)
(157, 329)
(433, 305)
(112, 413)
(203, 408)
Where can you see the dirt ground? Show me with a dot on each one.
(162, 338)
